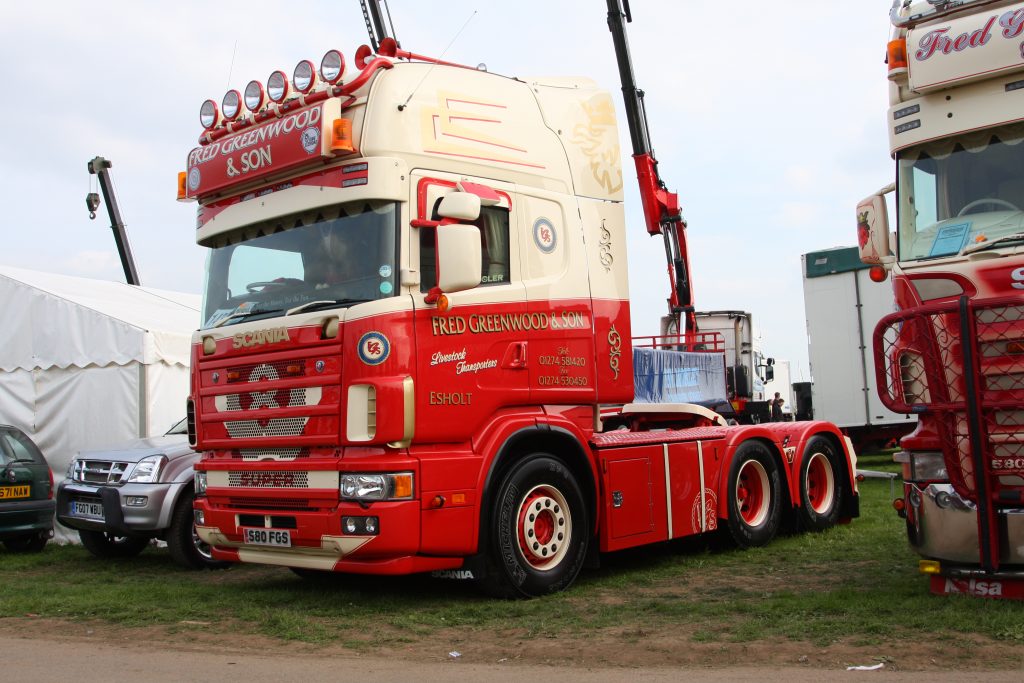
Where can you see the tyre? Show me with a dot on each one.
(539, 530)
(754, 496)
(821, 488)
(107, 545)
(187, 549)
(33, 543)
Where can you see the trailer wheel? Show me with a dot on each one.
(187, 549)
(539, 530)
(109, 545)
(755, 505)
(821, 491)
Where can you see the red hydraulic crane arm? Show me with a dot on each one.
(661, 207)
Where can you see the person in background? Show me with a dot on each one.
(776, 406)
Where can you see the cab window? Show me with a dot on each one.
(495, 267)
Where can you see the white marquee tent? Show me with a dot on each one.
(90, 363)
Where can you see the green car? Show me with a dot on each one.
(26, 493)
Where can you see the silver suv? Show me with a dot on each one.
(119, 500)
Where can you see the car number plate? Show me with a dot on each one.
(276, 537)
(14, 491)
(88, 510)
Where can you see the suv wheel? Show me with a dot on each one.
(187, 549)
(107, 545)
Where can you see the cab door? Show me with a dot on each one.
(472, 357)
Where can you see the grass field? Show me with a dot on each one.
(855, 584)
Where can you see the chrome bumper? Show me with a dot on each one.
(943, 526)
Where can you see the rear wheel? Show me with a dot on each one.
(33, 543)
(107, 545)
(187, 549)
(821, 492)
(755, 505)
(539, 530)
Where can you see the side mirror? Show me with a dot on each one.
(461, 206)
(873, 229)
(769, 373)
(458, 255)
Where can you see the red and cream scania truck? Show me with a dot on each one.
(415, 353)
(953, 354)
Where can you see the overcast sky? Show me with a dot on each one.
(767, 118)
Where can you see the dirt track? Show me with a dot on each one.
(86, 659)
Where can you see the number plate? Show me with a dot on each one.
(7, 492)
(276, 537)
(87, 510)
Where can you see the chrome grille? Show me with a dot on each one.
(269, 480)
(279, 454)
(99, 471)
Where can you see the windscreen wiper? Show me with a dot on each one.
(982, 246)
(242, 315)
(324, 303)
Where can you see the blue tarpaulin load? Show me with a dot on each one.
(665, 376)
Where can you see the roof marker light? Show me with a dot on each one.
(231, 105)
(254, 96)
(209, 116)
(278, 87)
(332, 66)
(304, 76)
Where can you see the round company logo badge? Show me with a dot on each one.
(194, 178)
(311, 139)
(544, 235)
(374, 348)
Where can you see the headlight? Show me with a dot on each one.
(200, 483)
(147, 470)
(928, 466)
(372, 486)
(70, 474)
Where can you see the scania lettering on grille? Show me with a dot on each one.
(274, 336)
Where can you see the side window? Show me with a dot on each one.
(495, 266)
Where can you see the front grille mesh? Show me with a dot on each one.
(269, 480)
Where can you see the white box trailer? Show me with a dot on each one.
(843, 306)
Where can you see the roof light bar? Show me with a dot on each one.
(304, 76)
(278, 87)
(209, 115)
(231, 105)
(332, 66)
(254, 96)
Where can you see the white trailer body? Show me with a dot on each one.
(843, 306)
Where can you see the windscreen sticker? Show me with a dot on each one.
(385, 287)
(374, 348)
(385, 270)
(950, 239)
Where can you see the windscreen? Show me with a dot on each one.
(959, 193)
(331, 257)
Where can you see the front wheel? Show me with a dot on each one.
(539, 530)
(754, 495)
(187, 549)
(821, 492)
(108, 545)
(33, 543)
